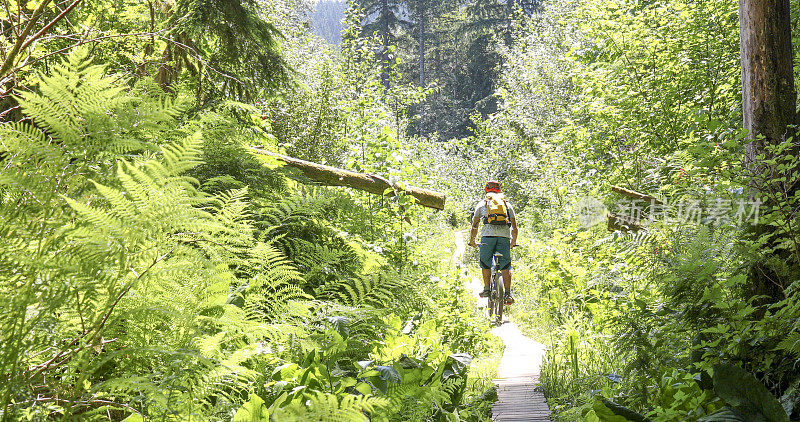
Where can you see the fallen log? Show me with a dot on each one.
(623, 223)
(332, 176)
(636, 195)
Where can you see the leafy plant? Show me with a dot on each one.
(746, 398)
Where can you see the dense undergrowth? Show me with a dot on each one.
(661, 323)
(153, 269)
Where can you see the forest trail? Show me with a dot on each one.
(517, 377)
(518, 374)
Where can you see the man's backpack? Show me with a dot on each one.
(496, 210)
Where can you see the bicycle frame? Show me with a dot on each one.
(496, 292)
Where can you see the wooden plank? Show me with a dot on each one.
(518, 374)
(518, 398)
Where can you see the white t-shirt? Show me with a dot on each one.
(499, 230)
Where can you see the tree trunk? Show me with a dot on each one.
(385, 54)
(636, 195)
(421, 54)
(332, 176)
(421, 28)
(768, 108)
(768, 95)
(438, 70)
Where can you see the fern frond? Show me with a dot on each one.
(376, 290)
(73, 97)
(325, 407)
(179, 158)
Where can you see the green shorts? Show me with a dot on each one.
(492, 244)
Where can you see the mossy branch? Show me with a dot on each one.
(332, 176)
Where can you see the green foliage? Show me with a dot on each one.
(236, 41)
(450, 47)
(605, 410)
(252, 410)
(748, 399)
(329, 407)
(644, 96)
(59, 268)
(227, 164)
(155, 270)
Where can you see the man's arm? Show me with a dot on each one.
(512, 217)
(474, 232)
(513, 231)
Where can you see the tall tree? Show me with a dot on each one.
(422, 11)
(768, 104)
(768, 94)
(427, 19)
(498, 15)
(383, 17)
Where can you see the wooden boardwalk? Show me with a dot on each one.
(518, 374)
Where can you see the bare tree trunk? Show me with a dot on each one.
(421, 53)
(332, 176)
(636, 195)
(385, 54)
(421, 28)
(768, 105)
(768, 94)
(438, 71)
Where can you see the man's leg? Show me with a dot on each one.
(486, 250)
(507, 284)
(504, 247)
(506, 279)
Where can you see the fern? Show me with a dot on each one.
(325, 407)
(416, 403)
(74, 98)
(118, 272)
(153, 193)
(376, 290)
(275, 284)
(130, 289)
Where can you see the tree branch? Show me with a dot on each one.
(332, 176)
(50, 25)
(12, 55)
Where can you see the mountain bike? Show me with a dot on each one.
(497, 299)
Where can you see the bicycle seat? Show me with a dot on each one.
(498, 255)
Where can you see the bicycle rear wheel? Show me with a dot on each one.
(500, 300)
(492, 299)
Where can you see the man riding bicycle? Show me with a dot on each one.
(499, 235)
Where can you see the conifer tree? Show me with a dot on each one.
(383, 17)
(425, 15)
(239, 50)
